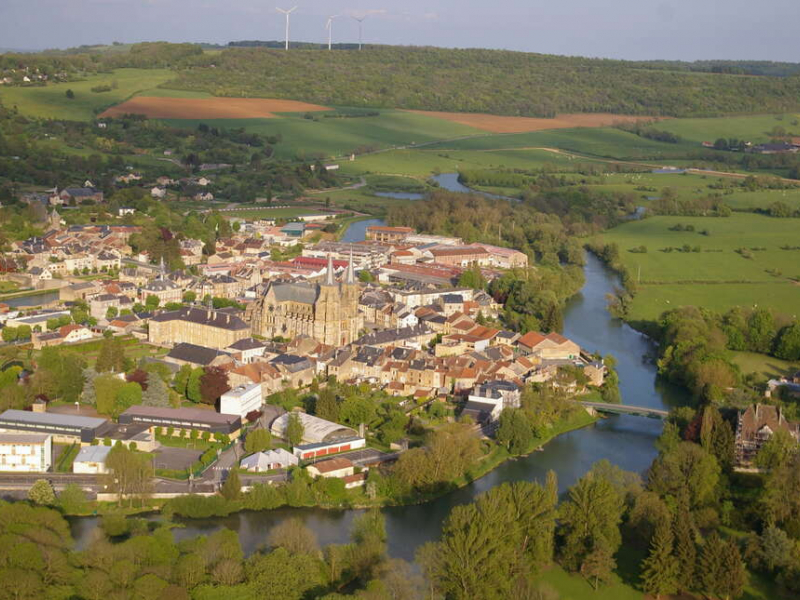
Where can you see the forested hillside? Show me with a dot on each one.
(490, 81)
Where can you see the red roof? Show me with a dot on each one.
(309, 261)
(531, 339)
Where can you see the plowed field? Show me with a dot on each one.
(498, 124)
(208, 108)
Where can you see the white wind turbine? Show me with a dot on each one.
(287, 13)
(329, 27)
(360, 24)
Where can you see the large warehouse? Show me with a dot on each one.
(315, 430)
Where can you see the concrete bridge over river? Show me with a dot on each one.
(625, 409)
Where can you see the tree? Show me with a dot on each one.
(9, 334)
(327, 405)
(711, 571)
(72, 500)
(193, 385)
(111, 312)
(111, 356)
(472, 278)
(685, 549)
(733, 576)
(69, 94)
(213, 383)
(129, 394)
(129, 474)
(761, 331)
(232, 488)
(294, 536)
(598, 566)
(280, 574)
(776, 548)
(151, 302)
(788, 346)
(156, 393)
(257, 440)
(356, 410)
(777, 451)
(182, 379)
(294, 429)
(41, 493)
(189, 296)
(686, 468)
(514, 431)
(590, 519)
(660, 568)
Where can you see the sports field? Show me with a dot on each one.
(162, 107)
(740, 263)
(501, 124)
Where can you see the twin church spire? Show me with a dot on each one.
(350, 274)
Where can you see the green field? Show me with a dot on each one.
(717, 277)
(330, 138)
(765, 366)
(604, 142)
(754, 128)
(50, 101)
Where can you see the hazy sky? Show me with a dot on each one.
(633, 29)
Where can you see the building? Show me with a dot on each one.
(315, 430)
(381, 233)
(309, 451)
(266, 461)
(91, 460)
(26, 452)
(197, 356)
(183, 418)
(199, 326)
(241, 400)
(755, 425)
(247, 349)
(327, 312)
(333, 467)
(550, 346)
(64, 428)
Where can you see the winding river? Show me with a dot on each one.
(624, 440)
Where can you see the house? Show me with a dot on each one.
(380, 233)
(197, 356)
(158, 192)
(310, 451)
(552, 346)
(755, 425)
(241, 400)
(78, 195)
(91, 460)
(333, 467)
(200, 326)
(266, 461)
(247, 349)
(26, 452)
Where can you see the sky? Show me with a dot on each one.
(627, 29)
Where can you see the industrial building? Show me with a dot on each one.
(64, 428)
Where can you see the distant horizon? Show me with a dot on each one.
(8, 50)
(637, 30)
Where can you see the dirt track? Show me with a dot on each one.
(208, 108)
(498, 124)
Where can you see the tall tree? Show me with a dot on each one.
(598, 566)
(294, 429)
(660, 568)
(734, 575)
(327, 406)
(213, 383)
(685, 549)
(711, 571)
(232, 488)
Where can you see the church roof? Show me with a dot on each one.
(294, 292)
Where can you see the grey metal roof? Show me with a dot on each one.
(24, 416)
(192, 353)
(93, 454)
(295, 292)
(23, 438)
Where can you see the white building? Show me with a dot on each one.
(26, 452)
(241, 400)
(261, 462)
(91, 460)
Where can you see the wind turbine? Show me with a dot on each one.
(329, 27)
(360, 23)
(287, 13)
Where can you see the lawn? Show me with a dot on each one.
(264, 212)
(575, 587)
(754, 128)
(329, 138)
(51, 102)
(765, 366)
(717, 277)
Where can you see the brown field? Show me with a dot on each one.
(498, 124)
(208, 108)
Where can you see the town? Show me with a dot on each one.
(223, 345)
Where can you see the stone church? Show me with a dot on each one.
(327, 311)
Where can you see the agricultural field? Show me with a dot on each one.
(336, 137)
(501, 124)
(716, 277)
(753, 128)
(764, 366)
(170, 107)
(51, 102)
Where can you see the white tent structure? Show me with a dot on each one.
(272, 459)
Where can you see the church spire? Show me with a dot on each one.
(329, 279)
(162, 271)
(350, 278)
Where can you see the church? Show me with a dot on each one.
(327, 311)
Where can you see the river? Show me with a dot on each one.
(624, 440)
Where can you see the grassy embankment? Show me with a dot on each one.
(717, 277)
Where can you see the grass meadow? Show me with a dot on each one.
(51, 102)
(717, 277)
(754, 128)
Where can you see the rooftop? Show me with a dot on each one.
(93, 454)
(24, 416)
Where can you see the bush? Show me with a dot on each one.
(199, 507)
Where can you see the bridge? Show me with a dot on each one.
(624, 409)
